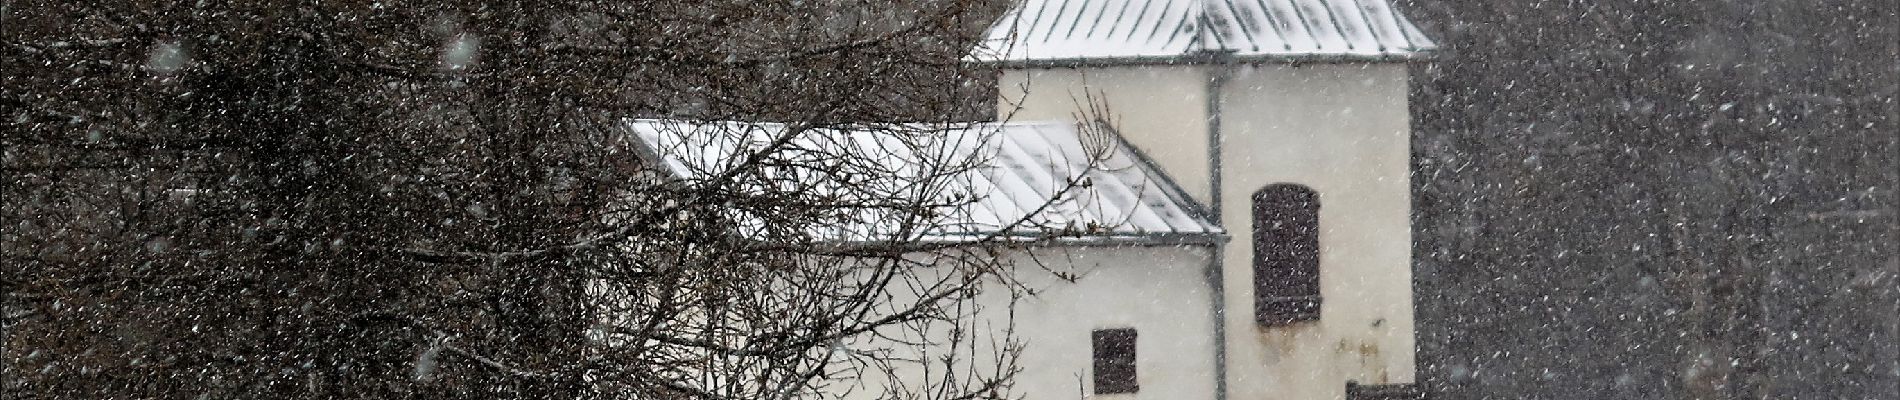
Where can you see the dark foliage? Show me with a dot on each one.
(1659, 199)
(371, 199)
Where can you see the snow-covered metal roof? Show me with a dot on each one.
(1002, 181)
(1177, 30)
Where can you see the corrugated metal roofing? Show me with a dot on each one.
(1014, 171)
(1048, 30)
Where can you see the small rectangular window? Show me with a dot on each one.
(1115, 361)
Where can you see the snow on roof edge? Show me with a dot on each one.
(1182, 220)
(1138, 32)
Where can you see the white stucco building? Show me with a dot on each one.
(1257, 109)
(1258, 205)
(1106, 241)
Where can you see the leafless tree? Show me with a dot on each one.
(441, 200)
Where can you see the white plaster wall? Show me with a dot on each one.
(1343, 130)
(1161, 292)
(1161, 110)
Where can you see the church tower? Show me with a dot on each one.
(1288, 121)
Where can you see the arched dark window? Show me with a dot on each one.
(1285, 254)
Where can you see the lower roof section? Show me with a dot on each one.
(1050, 182)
